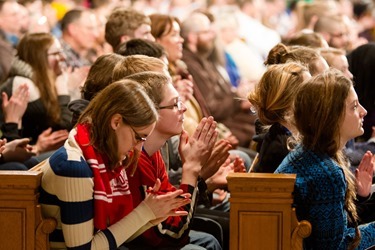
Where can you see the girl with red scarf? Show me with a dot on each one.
(85, 186)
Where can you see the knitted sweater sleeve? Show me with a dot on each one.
(67, 195)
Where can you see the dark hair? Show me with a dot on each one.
(141, 47)
(100, 75)
(70, 17)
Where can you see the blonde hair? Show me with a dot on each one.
(135, 64)
(329, 54)
(274, 94)
(301, 54)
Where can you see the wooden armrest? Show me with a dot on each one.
(22, 224)
(302, 230)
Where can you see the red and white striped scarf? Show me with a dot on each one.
(112, 197)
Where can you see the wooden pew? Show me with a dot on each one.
(261, 213)
(21, 222)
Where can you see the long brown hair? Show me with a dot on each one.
(33, 49)
(319, 111)
(124, 97)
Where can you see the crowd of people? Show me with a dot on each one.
(136, 111)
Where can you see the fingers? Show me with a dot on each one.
(157, 185)
(46, 132)
(178, 213)
(367, 162)
(3, 142)
(199, 128)
(5, 99)
(206, 130)
(22, 142)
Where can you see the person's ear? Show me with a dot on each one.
(115, 121)
(73, 29)
(124, 38)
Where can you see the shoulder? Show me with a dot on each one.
(69, 164)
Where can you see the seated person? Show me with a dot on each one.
(85, 186)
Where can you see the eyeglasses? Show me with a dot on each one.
(339, 35)
(55, 53)
(138, 138)
(178, 104)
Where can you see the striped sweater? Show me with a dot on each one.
(67, 193)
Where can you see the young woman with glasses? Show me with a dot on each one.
(85, 185)
(195, 151)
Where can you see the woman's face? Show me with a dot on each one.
(172, 42)
(129, 138)
(171, 112)
(56, 58)
(351, 126)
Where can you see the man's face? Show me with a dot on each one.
(205, 38)
(205, 41)
(86, 30)
(339, 37)
(144, 32)
(10, 18)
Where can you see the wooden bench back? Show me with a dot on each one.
(21, 222)
(261, 213)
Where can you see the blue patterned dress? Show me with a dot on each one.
(319, 197)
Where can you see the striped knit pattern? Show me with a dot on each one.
(319, 197)
(67, 193)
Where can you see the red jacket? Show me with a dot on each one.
(175, 230)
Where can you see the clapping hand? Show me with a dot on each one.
(364, 174)
(17, 150)
(167, 204)
(15, 107)
(49, 140)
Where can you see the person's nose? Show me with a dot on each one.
(363, 112)
(350, 75)
(151, 37)
(184, 108)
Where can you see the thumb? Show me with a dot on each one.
(157, 185)
(23, 142)
(47, 131)
(184, 139)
